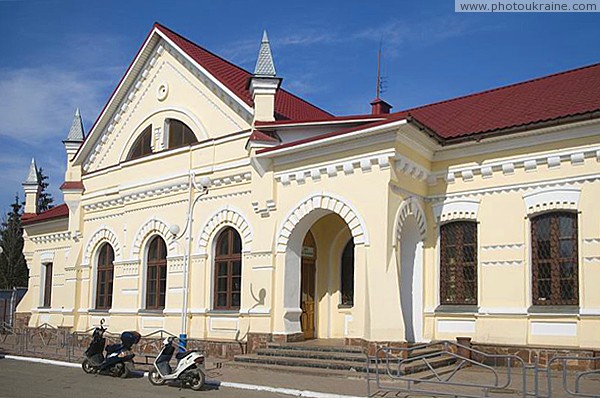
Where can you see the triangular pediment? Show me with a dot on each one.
(162, 78)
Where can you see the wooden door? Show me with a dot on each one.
(307, 287)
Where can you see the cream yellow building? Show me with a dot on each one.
(208, 200)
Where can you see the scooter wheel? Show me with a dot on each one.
(155, 378)
(198, 381)
(118, 370)
(87, 366)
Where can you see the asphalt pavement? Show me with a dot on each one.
(25, 379)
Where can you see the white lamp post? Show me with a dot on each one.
(205, 182)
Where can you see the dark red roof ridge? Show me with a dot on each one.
(239, 68)
(491, 90)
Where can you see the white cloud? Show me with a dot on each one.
(397, 33)
(37, 101)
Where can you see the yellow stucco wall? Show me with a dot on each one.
(381, 193)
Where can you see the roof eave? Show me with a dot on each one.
(320, 142)
(509, 131)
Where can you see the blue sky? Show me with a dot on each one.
(59, 55)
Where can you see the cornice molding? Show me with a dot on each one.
(529, 163)
(333, 169)
(413, 169)
(524, 139)
(477, 193)
(163, 190)
(50, 238)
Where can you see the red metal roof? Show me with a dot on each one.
(569, 93)
(59, 211)
(287, 105)
(72, 185)
(566, 94)
(260, 136)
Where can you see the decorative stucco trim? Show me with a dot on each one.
(120, 111)
(153, 226)
(51, 238)
(503, 263)
(332, 169)
(508, 246)
(413, 169)
(166, 188)
(527, 187)
(456, 209)
(411, 206)
(529, 163)
(47, 257)
(226, 216)
(552, 199)
(329, 202)
(104, 234)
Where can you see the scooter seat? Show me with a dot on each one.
(181, 355)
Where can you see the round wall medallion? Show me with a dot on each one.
(162, 91)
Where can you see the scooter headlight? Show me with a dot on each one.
(199, 360)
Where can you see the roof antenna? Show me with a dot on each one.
(380, 78)
(379, 106)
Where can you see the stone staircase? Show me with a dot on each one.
(319, 358)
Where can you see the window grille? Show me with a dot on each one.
(555, 259)
(458, 277)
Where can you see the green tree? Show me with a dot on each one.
(13, 268)
(45, 199)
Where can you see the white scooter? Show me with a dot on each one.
(189, 369)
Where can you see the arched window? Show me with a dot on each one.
(228, 270)
(142, 145)
(156, 281)
(348, 274)
(458, 263)
(104, 283)
(555, 259)
(180, 134)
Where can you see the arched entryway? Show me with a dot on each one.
(411, 281)
(410, 235)
(330, 224)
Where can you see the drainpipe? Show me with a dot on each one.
(174, 229)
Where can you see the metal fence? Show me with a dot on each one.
(450, 369)
(51, 342)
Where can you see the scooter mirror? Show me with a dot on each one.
(101, 321)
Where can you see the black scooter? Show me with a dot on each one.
(118, 361)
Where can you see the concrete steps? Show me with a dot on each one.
(340, 360)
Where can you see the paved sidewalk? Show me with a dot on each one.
(297, 382)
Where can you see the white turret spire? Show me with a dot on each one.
(32, 189)
(264, 63)
(32, 176)
(76, 133)
(264, 83)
